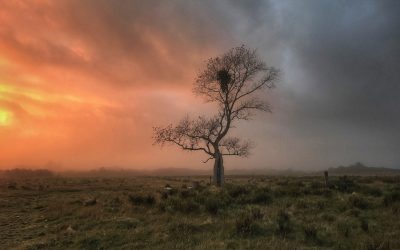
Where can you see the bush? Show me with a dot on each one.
(302, 204)
(364, 225)
(176, 204)
(188, 206)
(328, 217)
(391, 198)
(344, 228)
(372, 191)
(235, 190)
(288, 191)
(213, 205)
(127, 223)
(354, 212)
(310, 233)
(184, 228)
(139, 199)
(246, 223)
(359, 202)
(262, 196)
(186, 193)
(345, 184)
(164, 195)
(377, 242)
(317, 185)
(396, 209)
(284, 225)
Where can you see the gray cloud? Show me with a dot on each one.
(341, 78)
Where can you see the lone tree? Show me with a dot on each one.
(233, 81)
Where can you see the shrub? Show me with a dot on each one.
(328, 217)
(90, 243)
(320, 205)
(345, 184)
(284, 225)
(183, 228)
(213, 205)
(377, 242)
(359, 202)
(164, 195)
(139, 199)
(127, 223)
(372, 191)
(364, 225)
(327, 193)
(310, 233)
(246, 223)
(396, 209)
(188, 206)
(288, 191)
(237, 190)
(176, 204)
(256, 213)
(344, 228)
(302, 204)
(391, 198)
(262, 196)
(391, 179)
(354, 212)
(186, 193)
(317, 185)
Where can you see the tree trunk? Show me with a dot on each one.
(218, 179)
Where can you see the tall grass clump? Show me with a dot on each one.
(247, 222)
(391, 197)
(283, 222)
(140, 199)
(359, 202)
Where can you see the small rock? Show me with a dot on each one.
(70, 230)
(90, 202)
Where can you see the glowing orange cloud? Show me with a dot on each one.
(82, 86)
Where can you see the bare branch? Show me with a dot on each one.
(189, 134)
(233, 146)
(208, 159)
(244, 110)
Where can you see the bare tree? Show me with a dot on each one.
(233, 81)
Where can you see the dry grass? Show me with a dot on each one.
(256, 213)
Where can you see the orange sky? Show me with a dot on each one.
(77, 92)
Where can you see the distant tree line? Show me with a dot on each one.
(27, 173)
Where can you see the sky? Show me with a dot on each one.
(82, 83)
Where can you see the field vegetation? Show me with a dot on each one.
(187, 213)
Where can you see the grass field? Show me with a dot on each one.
(248, 213)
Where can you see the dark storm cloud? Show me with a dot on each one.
(350, 53)
(342, 76)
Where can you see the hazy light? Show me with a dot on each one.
(5, 117)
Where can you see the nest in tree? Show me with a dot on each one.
(224, 78)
